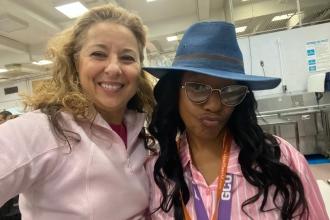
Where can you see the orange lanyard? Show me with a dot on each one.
(221, 177)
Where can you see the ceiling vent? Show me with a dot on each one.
(19, 71)
(11, 90)
(10, 23)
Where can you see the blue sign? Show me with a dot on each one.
(312, 68)
(310, 52)
(311, 62)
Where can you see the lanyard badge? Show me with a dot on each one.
(223, 199)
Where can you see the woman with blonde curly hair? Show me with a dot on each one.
(80, 154)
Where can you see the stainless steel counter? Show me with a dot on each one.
(275, 124)
(295, 116)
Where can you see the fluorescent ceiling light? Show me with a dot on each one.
(282, 17)
(151, 0)
(3, 70)
(72, 10)
(172, 38)
(42, 62)
(245, 0)
(240, 29)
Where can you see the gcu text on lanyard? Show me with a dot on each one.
(224, 205)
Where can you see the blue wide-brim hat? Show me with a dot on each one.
(211, 48)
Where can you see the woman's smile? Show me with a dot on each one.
(111, 86)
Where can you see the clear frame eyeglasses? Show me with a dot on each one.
(199, 93)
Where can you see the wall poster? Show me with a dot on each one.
(318, 55)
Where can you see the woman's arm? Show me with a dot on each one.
(27, 154)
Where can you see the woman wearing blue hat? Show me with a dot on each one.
(214, 161)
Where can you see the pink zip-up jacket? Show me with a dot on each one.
(241, 189)
(98, 179)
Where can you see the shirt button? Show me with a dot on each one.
(208, 192)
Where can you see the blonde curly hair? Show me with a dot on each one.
(63, 92)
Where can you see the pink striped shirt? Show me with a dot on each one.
(241, 189)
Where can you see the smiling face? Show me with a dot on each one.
(109, 67)
(206, 120)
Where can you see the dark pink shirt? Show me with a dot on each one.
(121, 131)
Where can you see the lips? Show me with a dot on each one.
(111, 86)
(210, 120)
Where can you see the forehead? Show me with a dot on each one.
(104, 33)
(210, 80)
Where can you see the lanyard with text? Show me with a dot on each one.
(222, 178)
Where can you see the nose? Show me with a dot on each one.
(113, 65)
(213, 104)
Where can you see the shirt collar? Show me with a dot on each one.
(133, 120)
(233, 165)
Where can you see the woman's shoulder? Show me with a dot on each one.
(30, 131)
(39, 120)
(289, 153)
(29, 123)
(31, 120)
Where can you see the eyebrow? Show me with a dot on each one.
(125, 50)
(98, 45)
(105, 47)
(128, 50)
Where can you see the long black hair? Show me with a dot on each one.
(259, 155)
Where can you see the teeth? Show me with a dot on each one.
(109, 86)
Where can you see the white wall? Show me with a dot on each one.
(13, 102)
(284, 56)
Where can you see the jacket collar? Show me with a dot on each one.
(134, 121)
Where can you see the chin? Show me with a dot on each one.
(110, 106)
(209, 135)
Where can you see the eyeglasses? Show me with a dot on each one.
(229, 95)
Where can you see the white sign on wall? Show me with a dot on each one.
(318, 55)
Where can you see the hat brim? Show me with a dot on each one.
(254, 82)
